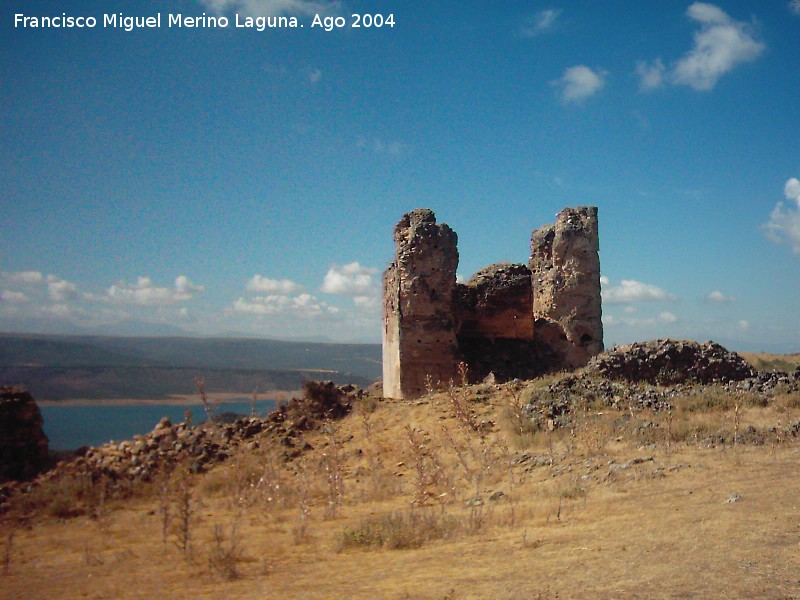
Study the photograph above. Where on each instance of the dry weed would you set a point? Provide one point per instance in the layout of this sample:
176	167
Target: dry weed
224	555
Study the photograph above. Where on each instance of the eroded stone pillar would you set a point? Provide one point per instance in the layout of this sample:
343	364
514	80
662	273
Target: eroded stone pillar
419	337
565	274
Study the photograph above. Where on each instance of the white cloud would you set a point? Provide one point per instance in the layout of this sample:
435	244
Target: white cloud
630	290
303	305
580	82
259	283
379	146
667	317
791	190
185	288
651	75
270	8
743	325
60	290
350	280
794	7
313	76
784	222
541	22
370	303
720	45
24	277
12	297
144	293
614	321
717	297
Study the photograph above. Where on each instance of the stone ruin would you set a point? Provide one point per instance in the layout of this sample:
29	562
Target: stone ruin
508	320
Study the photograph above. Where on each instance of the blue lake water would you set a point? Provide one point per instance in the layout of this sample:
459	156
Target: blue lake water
70	427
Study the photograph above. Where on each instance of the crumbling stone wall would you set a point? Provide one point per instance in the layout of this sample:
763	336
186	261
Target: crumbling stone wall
495	323
565	268
419	330
509	320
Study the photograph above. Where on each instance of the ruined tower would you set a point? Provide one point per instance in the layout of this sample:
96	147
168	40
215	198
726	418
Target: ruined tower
565	273
419	336
508	320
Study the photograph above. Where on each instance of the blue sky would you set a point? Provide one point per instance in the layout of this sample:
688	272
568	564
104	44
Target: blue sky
229	181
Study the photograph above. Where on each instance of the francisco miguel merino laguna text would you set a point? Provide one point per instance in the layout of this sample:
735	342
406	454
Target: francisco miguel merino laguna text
129	23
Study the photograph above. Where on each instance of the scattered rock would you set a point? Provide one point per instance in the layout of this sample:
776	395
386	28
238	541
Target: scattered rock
668	362
199	446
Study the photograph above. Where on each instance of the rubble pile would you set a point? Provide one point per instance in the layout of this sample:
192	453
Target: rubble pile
668	362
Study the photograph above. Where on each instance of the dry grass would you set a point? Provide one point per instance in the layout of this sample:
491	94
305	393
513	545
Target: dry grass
622	504
768	362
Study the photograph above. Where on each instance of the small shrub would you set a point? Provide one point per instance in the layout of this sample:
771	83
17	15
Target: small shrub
711	398
458	398
183	491
787	400
522	427
209	408
430	478
322	399
399	530
688	429
61	498
332	464
224	557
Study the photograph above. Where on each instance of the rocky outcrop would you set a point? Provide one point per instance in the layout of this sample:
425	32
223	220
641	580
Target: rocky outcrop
668	362
565	271
23	443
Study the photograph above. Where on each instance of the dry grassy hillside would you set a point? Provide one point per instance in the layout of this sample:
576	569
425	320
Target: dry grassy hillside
767	362
466	493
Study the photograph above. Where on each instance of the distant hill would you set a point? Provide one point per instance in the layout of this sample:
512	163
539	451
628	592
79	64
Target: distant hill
56	367
220	353
144	383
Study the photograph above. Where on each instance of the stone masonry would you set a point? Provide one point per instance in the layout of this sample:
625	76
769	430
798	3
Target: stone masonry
419	330
565	266
508	320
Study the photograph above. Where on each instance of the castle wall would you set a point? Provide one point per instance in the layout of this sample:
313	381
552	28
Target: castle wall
496	303
419	329
565	269
508	320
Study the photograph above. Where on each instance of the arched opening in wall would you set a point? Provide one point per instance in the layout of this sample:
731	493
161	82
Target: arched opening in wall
586	339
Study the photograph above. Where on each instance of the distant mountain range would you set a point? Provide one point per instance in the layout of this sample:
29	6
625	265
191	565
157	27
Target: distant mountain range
62	367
